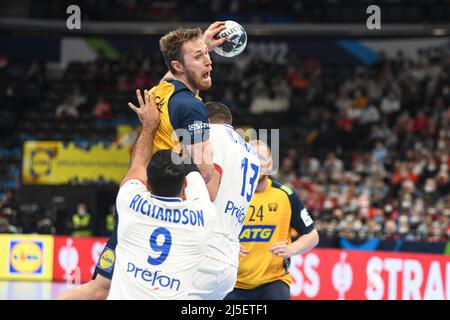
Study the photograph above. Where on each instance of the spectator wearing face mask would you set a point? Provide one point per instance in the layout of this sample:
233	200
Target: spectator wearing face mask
82	222
443	183
430	193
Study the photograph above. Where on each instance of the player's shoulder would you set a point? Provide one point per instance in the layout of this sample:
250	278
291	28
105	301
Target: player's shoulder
184	102
290	194
220	129
164	89
283	188
131	184
182	95
174	91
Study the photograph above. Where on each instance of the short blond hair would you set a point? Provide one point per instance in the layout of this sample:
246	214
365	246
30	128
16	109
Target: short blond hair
171	44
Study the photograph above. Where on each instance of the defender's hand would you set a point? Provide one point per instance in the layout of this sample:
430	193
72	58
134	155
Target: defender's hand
148	113
281	249
243	252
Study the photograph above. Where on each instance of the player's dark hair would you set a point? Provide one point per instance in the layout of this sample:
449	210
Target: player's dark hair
171	44
165	176
219	113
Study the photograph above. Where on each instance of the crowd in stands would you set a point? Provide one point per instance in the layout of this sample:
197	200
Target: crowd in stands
366	147
377	163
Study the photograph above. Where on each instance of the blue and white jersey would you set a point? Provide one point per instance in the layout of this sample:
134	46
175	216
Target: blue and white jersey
160	240
240	168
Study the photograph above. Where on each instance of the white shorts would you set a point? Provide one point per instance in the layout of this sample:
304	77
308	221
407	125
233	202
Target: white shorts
213	280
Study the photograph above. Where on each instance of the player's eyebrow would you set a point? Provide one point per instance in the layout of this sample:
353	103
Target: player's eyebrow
200	50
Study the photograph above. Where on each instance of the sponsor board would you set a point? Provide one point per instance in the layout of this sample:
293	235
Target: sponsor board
26	257
75	258
331	274
56	162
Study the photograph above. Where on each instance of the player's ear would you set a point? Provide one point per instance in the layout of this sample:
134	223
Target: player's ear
270	165
177	66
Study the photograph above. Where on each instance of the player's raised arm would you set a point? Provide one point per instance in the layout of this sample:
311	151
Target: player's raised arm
149	117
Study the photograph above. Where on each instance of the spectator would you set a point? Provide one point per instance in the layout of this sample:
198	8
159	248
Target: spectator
109	221
82	222
102	110
390	103
379	153
6	227
370	115
70	107
390	230
9	200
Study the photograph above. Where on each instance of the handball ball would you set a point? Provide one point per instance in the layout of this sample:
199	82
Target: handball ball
237	40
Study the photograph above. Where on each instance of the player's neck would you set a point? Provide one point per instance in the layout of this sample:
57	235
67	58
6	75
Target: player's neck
183	79
262	185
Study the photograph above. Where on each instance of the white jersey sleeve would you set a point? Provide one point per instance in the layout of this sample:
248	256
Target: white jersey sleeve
196	187
218	152
128	188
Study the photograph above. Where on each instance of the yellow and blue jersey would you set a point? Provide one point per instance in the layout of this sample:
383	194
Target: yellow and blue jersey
270	217
184	117
179	109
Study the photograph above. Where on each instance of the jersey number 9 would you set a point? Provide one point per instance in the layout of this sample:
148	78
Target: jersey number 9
163	248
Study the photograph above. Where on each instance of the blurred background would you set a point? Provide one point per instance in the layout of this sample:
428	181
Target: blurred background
364	119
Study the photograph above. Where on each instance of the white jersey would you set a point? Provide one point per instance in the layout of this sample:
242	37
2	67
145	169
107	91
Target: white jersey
160	240
240	166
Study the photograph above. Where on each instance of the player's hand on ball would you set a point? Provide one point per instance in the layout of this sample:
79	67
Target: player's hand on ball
243	252
281	249
211	32
148	113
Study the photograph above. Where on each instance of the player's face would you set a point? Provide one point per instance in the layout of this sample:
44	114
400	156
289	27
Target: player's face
197	64
265	159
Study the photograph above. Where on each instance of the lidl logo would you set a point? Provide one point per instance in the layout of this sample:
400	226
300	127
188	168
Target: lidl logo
41	162
26	257
256	233
106	261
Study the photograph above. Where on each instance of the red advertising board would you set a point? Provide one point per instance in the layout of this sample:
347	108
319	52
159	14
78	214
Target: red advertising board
75	258
331	274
